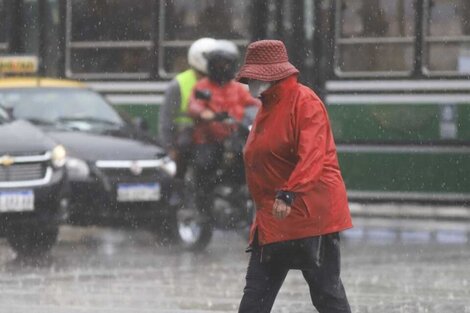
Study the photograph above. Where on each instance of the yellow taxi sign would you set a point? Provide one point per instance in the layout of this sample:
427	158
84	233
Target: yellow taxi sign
18	64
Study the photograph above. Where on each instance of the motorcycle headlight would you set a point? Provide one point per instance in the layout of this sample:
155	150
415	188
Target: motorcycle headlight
77	169
58	156
168	166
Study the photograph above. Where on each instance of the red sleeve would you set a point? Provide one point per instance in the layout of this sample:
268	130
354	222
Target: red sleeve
311	127
245	101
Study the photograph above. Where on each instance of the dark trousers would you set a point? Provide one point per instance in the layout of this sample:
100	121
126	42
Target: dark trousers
184	147
206	161
183	160
263	281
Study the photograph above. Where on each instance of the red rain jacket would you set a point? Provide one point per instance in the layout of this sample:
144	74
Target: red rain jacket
232	98
291	147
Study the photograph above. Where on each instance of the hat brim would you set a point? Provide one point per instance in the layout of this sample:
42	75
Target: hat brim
266	72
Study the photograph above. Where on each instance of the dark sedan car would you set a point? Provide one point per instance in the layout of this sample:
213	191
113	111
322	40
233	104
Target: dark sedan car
118	175
33	189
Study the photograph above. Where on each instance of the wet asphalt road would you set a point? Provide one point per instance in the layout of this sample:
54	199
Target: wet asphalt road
389	265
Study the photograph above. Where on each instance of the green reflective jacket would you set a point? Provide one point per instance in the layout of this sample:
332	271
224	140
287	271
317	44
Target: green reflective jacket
186	81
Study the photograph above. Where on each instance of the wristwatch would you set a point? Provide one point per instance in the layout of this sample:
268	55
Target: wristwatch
286	196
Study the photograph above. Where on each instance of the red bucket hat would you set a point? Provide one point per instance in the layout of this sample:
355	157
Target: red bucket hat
266	60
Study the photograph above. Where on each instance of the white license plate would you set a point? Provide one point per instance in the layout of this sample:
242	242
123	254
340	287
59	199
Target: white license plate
138	192
16	201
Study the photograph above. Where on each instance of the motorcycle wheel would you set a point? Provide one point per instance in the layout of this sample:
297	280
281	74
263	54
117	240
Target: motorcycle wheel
193	231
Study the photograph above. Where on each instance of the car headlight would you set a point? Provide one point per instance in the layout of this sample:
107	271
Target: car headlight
77	169
168	166
58	156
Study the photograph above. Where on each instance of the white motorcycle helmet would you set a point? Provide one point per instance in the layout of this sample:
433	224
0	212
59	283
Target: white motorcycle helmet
197	53
228	47
222	62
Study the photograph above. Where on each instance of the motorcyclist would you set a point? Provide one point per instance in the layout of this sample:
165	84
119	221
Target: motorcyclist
217	94
175	126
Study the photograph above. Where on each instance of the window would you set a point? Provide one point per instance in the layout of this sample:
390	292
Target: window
374	37
447	37
110	38
185	21
59	105
3	27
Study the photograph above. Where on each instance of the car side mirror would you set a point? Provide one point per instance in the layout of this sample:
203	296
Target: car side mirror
140	123
6	112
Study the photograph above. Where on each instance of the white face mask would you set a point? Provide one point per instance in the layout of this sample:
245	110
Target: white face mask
257	87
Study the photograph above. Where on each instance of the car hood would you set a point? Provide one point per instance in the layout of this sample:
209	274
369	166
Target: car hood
21	137
93	147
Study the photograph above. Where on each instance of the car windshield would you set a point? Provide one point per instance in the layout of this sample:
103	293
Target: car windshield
53	106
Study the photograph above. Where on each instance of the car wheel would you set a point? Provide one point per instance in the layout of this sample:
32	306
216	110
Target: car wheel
31	240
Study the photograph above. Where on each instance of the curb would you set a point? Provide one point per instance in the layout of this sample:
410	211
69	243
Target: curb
394	210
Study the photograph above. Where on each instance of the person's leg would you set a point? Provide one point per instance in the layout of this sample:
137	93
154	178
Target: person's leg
184	148
204	162
183	162
262	285
326	289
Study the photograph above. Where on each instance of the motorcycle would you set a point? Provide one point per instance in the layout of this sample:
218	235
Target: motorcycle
231	205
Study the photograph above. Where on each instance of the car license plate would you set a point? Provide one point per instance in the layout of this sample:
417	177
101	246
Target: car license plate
138	192
16	201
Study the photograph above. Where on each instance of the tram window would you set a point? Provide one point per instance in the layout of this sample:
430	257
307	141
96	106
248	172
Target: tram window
30	21
377	18
3	25
374	37
183	21
382	58
108	60
447	37
109	37
111	20
175	59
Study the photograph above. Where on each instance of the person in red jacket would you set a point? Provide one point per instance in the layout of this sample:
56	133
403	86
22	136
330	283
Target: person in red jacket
213	97
294	178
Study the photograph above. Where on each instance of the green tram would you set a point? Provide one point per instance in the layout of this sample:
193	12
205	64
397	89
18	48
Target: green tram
394	73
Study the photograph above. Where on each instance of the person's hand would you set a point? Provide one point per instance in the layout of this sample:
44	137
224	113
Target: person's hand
280	209
173	154
207	115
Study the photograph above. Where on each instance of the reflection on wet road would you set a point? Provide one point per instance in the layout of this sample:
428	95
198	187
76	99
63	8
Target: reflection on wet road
388	266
